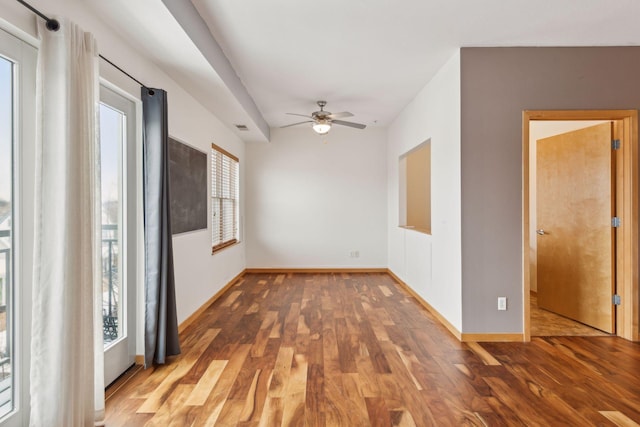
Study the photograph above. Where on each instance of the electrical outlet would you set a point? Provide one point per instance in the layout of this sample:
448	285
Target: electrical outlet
354	254
502	303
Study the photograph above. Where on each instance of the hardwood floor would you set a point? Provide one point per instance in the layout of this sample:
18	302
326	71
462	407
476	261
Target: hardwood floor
545	323
356	350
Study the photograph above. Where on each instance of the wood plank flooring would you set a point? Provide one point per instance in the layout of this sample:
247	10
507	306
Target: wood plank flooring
545	323
357	350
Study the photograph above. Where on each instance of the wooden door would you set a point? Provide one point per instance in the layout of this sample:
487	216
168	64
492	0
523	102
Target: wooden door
575	240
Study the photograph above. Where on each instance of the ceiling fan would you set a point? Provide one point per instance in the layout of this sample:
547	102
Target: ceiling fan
322	120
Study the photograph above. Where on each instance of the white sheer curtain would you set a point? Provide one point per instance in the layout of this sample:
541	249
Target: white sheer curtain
67	387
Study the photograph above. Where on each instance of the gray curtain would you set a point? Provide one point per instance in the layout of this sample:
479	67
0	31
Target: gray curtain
161	323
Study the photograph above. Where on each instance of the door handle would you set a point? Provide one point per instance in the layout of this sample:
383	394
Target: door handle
541	232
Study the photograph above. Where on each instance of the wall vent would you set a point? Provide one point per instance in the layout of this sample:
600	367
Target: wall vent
242	127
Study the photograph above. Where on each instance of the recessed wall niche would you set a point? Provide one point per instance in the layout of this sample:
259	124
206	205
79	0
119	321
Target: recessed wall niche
415	188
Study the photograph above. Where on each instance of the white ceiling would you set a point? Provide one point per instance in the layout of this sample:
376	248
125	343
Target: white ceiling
370	57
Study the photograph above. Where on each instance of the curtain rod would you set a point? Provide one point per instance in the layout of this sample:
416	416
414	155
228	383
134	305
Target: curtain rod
54	25
127	74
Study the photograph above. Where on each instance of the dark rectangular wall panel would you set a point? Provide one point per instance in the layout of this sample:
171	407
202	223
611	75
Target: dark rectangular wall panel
188	187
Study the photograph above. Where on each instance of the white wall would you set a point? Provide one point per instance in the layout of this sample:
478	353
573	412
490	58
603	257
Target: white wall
199	275
431	264
311	200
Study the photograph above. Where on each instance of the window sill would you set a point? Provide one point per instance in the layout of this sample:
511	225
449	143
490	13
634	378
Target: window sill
224	246
419	230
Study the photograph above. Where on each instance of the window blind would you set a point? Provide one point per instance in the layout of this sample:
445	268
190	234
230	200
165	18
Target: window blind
224	198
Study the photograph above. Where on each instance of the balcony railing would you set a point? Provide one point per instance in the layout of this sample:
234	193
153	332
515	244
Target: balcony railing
5	281
110	303
110	287
110	282
6	382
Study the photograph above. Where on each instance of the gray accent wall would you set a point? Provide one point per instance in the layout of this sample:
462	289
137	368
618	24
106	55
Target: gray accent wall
497	85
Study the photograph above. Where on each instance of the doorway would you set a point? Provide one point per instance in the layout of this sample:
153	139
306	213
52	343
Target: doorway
623	244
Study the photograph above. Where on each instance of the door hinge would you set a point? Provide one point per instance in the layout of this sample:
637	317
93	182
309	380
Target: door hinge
616	299
615	221
615	144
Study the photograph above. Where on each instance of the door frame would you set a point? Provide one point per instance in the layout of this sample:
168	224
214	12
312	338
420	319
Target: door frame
625	128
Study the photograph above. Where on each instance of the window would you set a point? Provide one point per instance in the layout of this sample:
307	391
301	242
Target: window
224	198
415	188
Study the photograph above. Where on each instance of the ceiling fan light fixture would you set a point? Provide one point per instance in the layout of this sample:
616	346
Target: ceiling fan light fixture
321	121
322	127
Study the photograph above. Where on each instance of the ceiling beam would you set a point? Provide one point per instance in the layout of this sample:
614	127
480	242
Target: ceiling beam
196	28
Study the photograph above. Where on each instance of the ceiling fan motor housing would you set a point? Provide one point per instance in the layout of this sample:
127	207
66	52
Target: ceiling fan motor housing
321	115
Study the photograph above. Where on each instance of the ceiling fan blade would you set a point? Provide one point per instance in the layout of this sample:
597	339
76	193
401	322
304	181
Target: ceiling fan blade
295	124
301	115
350	124
340	115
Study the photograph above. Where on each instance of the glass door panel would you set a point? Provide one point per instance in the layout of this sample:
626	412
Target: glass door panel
17	172
118	188
6	237
112	123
